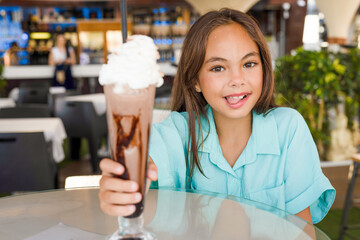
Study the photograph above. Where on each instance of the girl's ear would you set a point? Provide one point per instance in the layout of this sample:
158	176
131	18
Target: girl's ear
197	87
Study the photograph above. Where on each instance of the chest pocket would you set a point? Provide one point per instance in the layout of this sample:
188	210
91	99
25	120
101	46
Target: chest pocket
274	196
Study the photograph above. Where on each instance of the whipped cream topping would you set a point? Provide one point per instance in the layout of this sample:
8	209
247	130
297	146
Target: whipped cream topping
132	66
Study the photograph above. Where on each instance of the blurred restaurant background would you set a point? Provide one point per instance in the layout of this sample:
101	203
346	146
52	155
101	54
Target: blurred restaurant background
314	46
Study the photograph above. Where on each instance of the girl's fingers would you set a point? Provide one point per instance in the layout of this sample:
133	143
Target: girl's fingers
117	184
110	167
152	171
117	210
115	198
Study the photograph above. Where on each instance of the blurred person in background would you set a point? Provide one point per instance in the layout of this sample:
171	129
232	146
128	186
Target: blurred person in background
11	55
62	57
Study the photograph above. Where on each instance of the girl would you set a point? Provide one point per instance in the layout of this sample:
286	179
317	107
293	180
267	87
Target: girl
226	133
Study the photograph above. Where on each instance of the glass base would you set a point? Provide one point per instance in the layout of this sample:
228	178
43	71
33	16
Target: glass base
132	229
144	235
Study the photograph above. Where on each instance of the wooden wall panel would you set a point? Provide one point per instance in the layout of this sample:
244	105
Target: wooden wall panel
338	177
295	26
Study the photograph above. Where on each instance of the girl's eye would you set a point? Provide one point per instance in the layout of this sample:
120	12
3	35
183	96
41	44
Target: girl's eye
249	65
217	69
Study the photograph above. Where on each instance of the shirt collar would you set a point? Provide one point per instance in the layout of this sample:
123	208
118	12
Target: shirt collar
264	132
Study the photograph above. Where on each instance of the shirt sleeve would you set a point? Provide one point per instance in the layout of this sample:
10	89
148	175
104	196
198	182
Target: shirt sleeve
168	150
305	183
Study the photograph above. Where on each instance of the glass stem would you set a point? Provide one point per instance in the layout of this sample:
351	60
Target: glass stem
130	226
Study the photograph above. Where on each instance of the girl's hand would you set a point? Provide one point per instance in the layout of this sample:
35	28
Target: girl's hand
118	196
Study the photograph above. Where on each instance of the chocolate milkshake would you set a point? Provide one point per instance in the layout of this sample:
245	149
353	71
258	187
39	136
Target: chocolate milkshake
129	122
129	79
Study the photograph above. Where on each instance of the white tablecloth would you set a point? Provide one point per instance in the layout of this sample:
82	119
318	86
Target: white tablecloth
7	102
52	128
97	99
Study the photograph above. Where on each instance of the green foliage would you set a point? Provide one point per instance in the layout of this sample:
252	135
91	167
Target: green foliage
332	222
313	82
351	82
2	81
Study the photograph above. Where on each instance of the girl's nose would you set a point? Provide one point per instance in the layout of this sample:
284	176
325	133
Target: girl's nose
236	78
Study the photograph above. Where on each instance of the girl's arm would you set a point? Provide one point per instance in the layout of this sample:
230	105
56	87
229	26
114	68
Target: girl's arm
308	229
305	214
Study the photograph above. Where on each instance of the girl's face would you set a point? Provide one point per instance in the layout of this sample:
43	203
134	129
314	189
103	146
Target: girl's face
231	76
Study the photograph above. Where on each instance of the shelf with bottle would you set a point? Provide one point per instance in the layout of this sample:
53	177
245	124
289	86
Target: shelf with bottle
167	26
11	32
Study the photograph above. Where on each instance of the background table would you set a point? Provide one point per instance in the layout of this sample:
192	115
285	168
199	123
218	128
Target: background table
53	129
168	214
7	102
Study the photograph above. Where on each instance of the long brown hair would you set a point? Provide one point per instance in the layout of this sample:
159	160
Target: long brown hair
184	96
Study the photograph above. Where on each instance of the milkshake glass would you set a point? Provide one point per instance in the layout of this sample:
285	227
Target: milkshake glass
129	82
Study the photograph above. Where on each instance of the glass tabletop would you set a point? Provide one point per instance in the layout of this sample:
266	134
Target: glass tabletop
260	221
169	214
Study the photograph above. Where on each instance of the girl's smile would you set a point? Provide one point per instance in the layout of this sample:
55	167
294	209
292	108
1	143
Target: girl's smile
237	100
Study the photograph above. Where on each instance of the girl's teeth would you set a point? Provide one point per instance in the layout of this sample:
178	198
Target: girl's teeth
237	97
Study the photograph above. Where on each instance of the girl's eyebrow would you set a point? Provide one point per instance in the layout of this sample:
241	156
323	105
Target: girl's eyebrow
220	59
215	59
251	54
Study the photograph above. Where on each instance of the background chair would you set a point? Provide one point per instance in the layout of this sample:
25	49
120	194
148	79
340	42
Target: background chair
81	121
26	163
37	83
26	111
349	201
53	98
33	94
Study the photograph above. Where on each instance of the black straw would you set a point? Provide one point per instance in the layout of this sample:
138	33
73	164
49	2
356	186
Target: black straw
123	20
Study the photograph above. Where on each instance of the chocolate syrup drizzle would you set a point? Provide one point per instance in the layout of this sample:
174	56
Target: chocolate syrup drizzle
123	141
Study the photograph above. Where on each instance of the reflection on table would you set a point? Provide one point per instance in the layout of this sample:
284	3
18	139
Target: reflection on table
53	129
168	214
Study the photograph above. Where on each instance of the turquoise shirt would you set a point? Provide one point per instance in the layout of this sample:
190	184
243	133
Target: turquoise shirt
279	166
